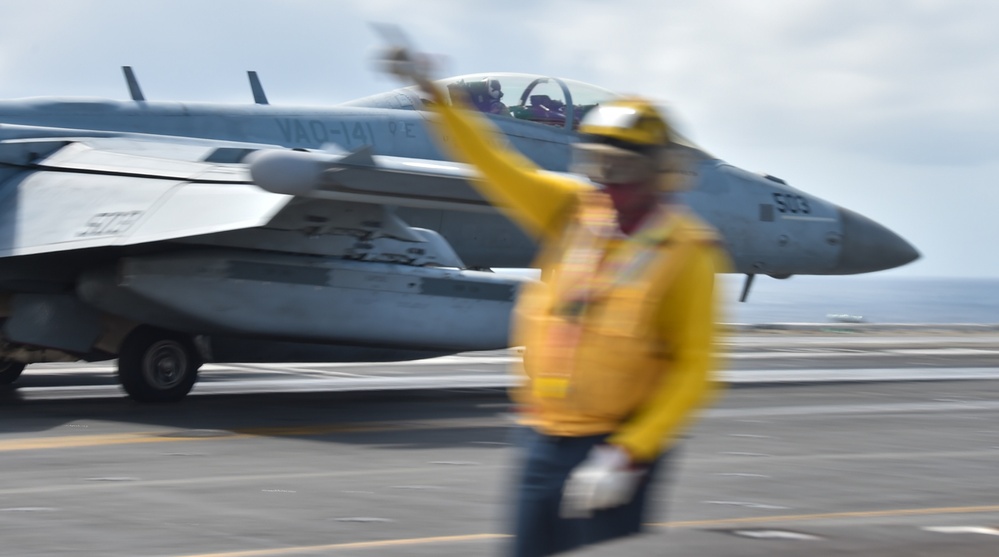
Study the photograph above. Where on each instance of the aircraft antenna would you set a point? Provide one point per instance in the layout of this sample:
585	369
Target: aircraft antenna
133	84
258	90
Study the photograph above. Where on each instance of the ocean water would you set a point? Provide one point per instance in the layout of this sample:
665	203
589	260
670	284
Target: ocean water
876	299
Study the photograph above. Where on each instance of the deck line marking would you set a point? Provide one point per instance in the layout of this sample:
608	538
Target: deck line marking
827	516
678	524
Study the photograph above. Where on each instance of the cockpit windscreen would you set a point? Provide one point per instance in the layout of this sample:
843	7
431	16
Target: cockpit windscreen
545	100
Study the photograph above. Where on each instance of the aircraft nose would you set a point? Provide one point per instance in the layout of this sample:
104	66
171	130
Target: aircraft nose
868	246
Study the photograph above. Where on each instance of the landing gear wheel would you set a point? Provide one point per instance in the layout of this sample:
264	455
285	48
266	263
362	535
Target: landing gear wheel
10	371
155	365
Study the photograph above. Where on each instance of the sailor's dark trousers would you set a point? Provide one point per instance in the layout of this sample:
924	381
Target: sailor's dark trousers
538	529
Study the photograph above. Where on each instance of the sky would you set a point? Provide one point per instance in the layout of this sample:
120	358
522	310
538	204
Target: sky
888	108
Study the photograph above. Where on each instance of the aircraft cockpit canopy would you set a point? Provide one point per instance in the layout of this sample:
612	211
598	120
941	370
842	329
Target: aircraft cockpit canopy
545	100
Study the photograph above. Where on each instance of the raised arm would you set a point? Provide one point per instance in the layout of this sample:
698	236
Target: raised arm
536	200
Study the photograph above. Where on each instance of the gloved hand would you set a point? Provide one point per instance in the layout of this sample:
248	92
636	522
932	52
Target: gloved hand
401	60
604	480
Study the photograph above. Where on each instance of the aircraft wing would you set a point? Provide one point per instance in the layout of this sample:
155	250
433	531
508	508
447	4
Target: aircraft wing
59	194
75	193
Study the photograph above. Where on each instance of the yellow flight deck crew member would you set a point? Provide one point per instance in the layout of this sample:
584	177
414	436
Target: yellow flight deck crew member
619	337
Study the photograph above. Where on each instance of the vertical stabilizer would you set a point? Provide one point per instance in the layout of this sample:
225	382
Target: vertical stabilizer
133	84
258	90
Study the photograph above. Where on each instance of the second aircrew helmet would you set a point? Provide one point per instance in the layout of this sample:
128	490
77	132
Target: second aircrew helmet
624	141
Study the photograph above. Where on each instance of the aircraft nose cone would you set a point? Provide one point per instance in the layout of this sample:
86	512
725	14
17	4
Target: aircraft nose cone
867	246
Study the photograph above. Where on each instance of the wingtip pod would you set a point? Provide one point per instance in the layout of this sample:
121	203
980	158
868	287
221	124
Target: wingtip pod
286	172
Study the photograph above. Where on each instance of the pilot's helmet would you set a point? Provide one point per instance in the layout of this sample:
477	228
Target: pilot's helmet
625	141
494	87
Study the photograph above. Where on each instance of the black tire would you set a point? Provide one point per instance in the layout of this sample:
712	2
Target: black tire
155	365
10	371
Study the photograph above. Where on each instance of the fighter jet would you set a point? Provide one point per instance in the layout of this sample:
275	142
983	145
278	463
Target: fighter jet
169	234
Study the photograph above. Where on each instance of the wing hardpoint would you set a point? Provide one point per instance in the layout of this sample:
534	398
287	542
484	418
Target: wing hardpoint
65	194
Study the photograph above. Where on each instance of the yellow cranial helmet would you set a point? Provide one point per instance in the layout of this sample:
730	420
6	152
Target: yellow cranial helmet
623	141
633	122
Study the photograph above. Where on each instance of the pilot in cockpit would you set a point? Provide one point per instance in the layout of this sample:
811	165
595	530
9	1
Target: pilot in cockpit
486	95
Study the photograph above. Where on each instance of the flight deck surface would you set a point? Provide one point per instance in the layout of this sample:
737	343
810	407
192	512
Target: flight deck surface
867	465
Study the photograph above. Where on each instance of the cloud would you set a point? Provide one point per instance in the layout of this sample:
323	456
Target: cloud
908	83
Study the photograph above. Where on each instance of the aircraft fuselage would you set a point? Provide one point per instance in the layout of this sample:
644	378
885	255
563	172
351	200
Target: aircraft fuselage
768	226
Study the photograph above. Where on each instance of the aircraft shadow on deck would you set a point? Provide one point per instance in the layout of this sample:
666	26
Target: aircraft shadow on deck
400	419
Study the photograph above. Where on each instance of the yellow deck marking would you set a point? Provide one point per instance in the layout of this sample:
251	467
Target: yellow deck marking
352	545
72	441
679	524
68	442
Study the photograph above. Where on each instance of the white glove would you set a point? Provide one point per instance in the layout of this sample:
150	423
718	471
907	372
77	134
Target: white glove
604	480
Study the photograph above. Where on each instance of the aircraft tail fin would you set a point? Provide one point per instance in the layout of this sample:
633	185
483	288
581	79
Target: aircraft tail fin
258	90
133	84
